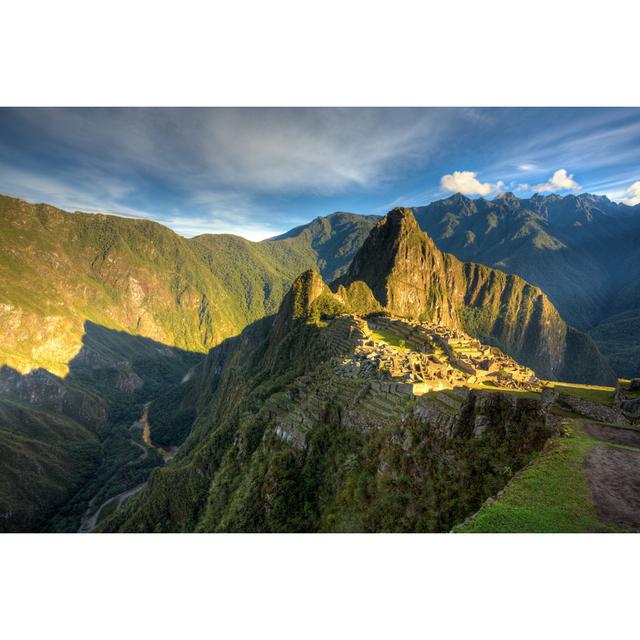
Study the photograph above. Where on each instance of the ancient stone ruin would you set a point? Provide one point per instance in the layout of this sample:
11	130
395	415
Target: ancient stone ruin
429	357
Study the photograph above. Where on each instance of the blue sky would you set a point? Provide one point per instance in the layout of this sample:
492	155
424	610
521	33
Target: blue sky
259	172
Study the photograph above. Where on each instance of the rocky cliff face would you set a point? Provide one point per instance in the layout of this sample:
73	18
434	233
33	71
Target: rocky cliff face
43	389
410	277
404	270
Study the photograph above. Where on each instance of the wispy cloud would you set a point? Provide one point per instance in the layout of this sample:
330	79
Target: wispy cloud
83	190
261	149
256	172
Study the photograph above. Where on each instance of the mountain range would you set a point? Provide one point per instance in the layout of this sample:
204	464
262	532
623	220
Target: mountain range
103	316
582	251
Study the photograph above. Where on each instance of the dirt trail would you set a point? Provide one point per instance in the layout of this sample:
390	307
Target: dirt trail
614	478
627	437
614	475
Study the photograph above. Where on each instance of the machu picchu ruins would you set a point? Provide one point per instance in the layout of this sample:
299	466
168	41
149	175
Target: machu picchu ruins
428	357
383	368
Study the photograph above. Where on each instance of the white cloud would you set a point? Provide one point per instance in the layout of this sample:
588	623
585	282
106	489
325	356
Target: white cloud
632	194
465	182
560	181
527	166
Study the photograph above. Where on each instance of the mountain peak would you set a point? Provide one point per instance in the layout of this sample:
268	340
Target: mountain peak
507	197
402	218
402	267
306	288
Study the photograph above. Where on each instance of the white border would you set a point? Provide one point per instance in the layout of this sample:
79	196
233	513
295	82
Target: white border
368	53
315	586
330	53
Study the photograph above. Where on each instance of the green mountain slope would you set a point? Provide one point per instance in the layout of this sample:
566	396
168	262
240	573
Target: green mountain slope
59	269
46	457
101	314
333	240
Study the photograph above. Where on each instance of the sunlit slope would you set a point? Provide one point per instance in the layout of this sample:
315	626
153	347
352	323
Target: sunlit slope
59	269
410	277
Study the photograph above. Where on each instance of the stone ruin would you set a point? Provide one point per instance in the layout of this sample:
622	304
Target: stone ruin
431	357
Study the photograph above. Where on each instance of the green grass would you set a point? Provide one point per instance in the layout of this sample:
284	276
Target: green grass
550	496
492	386
597	393
391	339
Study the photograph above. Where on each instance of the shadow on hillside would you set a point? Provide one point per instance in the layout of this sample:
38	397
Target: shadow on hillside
58	466
112	367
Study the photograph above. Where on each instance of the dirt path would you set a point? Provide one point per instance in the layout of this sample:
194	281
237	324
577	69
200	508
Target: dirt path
614	478
614	475
614	435
90	524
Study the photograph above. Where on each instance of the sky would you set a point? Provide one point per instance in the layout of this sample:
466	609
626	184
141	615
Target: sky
259	172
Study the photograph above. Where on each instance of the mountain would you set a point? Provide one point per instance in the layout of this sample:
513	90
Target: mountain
101	314
334	240
410	277
582	251
59	269
322	418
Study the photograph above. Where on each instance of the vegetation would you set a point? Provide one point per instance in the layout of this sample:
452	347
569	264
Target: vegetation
128	310
390	338
411	278
45	458
139	277
236	473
